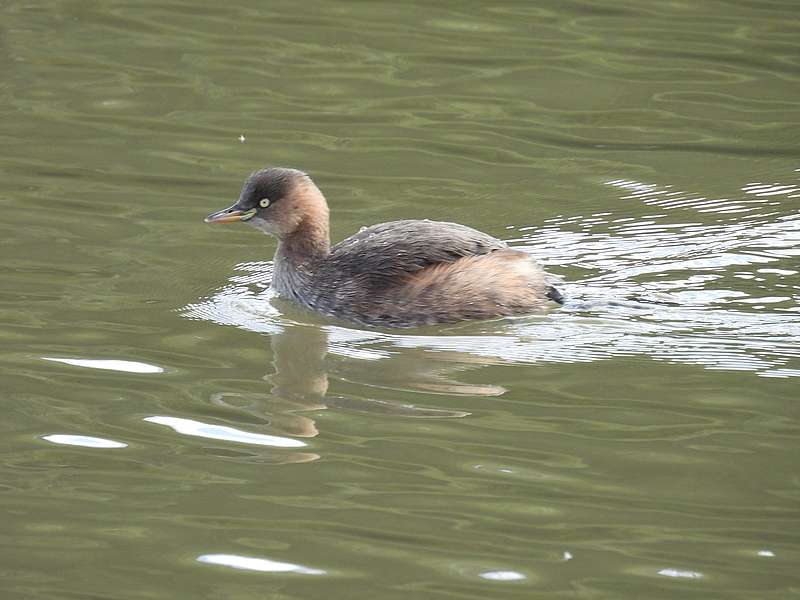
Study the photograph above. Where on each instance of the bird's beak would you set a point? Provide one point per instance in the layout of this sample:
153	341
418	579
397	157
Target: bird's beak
232	214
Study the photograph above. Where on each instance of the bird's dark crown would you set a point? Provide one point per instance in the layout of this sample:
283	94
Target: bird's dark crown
273	183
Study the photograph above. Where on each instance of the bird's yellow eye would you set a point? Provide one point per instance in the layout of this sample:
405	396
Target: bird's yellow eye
264	202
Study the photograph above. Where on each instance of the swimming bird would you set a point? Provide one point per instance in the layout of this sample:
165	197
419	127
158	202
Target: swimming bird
397	274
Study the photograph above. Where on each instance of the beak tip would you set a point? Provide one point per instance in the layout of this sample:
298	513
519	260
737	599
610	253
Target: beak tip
230	215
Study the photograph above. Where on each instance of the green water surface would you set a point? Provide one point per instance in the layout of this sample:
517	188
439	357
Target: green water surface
170	430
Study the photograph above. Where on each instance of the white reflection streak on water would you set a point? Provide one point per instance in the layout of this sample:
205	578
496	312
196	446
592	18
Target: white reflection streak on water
127	366
264	565
502	576
637	299
82	440
222	432
680	574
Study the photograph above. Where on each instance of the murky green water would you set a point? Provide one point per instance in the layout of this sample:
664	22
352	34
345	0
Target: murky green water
171	431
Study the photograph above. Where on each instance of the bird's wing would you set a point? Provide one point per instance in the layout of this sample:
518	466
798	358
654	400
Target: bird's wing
379	254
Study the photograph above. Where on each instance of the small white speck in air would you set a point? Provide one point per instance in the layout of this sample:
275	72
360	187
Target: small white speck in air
767	553
242	138
567	555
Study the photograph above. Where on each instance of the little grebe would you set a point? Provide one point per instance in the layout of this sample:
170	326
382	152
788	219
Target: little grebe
397	274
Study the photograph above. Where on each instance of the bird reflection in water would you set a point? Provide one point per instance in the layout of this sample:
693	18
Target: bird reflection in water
300	384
